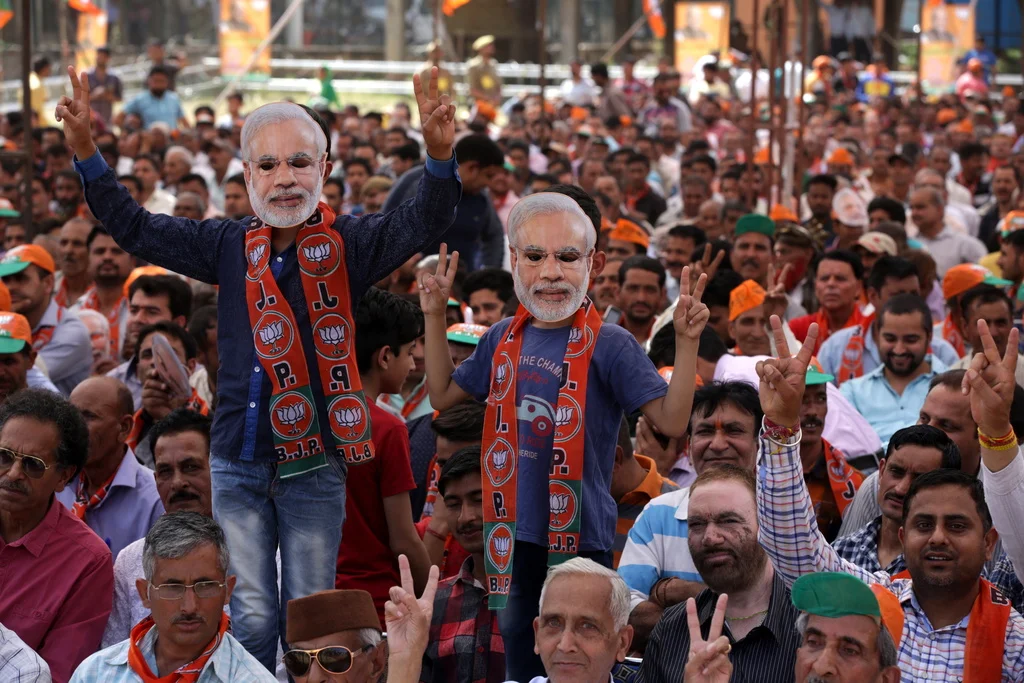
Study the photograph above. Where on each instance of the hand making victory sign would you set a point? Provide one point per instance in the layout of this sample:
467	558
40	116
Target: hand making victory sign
709	659
75	114
782	379
435	289
437	117
690	315
990	383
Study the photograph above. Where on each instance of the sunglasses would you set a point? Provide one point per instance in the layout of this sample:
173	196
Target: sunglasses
33	467
334	659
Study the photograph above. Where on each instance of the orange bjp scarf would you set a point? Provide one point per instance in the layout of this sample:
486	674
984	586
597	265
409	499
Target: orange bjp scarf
188	673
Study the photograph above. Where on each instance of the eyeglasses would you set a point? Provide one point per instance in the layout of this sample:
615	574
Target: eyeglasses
300	164
334	659
33	467
567	258
176	591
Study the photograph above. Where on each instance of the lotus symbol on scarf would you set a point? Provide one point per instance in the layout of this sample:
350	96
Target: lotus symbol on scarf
256	254
559	503
575	335
349	418
563	416
502	546
271	333
333	335
500	459
501	373
318	253
292	415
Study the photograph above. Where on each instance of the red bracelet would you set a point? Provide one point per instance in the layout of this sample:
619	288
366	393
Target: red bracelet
1000	443
777	432
436	535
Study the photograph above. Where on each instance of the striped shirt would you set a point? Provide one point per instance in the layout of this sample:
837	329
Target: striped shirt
790	536
657	546
18	662
632	504
765	655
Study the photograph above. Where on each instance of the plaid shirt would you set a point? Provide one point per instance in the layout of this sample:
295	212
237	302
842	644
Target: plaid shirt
861	548
18	662
465	643
790	536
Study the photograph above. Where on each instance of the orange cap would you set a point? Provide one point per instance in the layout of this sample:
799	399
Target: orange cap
892	611
628	231
666	374
965	126
945	116
781	212
974	64
15	333
761	156
1012	221
21	257
745	297
139	272
486	110
1008	91
840	156
5	297
959	279
626	120
579	114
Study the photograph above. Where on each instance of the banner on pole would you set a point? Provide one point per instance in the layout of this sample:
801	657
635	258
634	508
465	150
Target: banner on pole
244	24
655	19
947	32
92	34
701	28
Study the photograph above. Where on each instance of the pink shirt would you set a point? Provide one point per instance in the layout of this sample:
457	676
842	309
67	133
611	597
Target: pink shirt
968	81
56	590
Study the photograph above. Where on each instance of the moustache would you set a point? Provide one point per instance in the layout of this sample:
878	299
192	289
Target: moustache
467	529
12	486
702	554
301	194
182	496
191	618
751	262
811	423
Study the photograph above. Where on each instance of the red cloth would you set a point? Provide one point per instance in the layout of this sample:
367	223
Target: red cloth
801	325
365	560
66	574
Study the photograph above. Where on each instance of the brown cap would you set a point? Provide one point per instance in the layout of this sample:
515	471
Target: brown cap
327	612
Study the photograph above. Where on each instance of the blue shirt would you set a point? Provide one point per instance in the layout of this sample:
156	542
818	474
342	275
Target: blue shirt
880	405
871	86
986	57
620	379
151	109
129	509
229	663
212	251
830	355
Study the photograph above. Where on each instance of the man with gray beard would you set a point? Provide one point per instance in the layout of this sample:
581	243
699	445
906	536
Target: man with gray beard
290	408
759	618
557	381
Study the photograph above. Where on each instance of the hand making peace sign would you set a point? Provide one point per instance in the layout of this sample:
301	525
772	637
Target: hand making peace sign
75	114
709	659
408	619
435	289
437	117
990	382
690	315
782	379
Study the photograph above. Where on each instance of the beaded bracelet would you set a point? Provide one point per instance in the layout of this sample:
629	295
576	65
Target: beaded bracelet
777	432
1002	443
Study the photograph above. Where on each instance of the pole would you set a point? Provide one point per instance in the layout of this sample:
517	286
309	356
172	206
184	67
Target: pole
788	88
26	113
774	38
798	170
542	16
754	68
920	55
437	21
627	36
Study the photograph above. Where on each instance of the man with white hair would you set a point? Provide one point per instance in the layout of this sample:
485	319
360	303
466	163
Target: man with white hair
556	382
290	406
177	164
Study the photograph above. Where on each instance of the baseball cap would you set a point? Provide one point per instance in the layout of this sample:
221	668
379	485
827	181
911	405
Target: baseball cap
781	212
755	222
745	297
945	116
902	158
628	231
959	279
849	208
816	374
453	302
23	256
836	594
139	272
466	333
15	332
204	118
842	156
666	374
7	209
844	57
1012	221
878	243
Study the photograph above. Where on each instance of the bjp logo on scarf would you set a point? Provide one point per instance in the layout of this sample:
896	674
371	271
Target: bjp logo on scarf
568	419
257	257
332	337
274	335
500	462
580	339
499	547
563	504
349	418
318	254
291	415
502	377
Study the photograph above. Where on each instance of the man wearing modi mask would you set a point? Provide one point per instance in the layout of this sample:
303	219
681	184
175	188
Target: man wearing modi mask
290	409
557	381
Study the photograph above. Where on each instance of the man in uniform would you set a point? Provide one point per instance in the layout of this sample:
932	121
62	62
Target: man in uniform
482	73
435	54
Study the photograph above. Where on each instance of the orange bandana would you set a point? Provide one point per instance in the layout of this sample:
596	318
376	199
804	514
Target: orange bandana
953	336
853	355
45	334
188	673
500	462
293	417
82	504
745	297
195	404
842	478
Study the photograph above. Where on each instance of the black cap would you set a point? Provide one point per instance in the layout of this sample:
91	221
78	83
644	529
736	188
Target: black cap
893	158
844	57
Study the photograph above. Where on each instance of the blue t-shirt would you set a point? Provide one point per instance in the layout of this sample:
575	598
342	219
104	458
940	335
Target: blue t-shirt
621	379
166	108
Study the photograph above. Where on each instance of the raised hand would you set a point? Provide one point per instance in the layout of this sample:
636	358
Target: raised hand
437	117
990	382
690	315
709	659
408	619
775	300
706	265
435	289
75	114
782	379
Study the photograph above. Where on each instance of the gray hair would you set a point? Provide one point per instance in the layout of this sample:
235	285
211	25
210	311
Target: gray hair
369	637
275	113
934	196
887	653
579	566
175	535
546	204
192	196
183	152
719	207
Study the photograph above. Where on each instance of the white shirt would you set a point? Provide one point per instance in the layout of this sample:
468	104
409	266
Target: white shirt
578	93
950	248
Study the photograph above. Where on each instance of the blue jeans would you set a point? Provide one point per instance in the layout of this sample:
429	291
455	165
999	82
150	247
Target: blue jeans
259	512
529	569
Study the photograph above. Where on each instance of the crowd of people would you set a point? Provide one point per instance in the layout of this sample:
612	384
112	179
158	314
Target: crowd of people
513	389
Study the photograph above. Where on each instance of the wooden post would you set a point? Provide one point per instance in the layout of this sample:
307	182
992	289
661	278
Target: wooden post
774	39
26	113
798	166
542	17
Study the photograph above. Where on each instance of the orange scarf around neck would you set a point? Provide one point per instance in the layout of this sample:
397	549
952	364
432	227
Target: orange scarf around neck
187	673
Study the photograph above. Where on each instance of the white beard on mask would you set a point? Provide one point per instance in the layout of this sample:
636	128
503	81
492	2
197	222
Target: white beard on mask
285	217
544	311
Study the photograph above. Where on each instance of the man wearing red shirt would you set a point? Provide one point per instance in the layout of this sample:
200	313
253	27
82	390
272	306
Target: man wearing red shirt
56	575
837	286
378	525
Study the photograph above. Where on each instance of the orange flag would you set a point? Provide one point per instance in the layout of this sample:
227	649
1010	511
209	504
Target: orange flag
450	6
652	8
84	6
